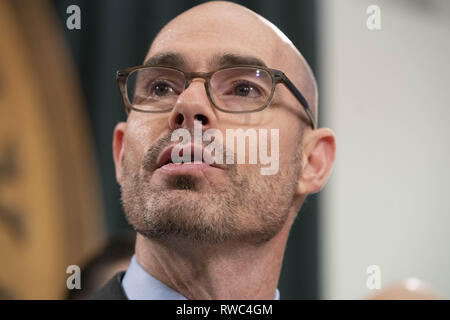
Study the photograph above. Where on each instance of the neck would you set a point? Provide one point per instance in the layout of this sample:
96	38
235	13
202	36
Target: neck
222	271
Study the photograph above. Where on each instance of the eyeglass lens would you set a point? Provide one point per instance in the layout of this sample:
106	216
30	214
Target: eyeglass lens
234	89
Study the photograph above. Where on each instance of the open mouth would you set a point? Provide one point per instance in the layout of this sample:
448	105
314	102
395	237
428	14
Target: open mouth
197	157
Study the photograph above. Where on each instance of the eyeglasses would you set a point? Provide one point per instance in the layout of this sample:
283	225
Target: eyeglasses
237	89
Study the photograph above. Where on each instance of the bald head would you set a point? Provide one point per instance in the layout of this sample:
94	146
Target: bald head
225	27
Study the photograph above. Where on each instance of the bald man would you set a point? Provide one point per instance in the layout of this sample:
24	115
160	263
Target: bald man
211	227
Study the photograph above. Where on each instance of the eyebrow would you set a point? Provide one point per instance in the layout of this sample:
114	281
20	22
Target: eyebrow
170	59
173	59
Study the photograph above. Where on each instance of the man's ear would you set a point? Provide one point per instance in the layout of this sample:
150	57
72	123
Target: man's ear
118	150
319	149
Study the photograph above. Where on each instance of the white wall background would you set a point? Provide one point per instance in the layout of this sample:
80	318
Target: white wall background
387	97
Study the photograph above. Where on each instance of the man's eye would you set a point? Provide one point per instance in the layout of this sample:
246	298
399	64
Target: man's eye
161	89
246	89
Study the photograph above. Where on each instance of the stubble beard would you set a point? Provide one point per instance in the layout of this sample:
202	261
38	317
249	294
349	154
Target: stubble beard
252	209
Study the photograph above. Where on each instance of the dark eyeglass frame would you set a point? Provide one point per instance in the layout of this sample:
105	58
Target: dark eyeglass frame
276	75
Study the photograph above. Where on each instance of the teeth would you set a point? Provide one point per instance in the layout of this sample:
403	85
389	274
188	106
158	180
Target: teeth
181	162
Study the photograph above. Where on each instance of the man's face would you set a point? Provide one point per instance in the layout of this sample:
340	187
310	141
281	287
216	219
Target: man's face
211	204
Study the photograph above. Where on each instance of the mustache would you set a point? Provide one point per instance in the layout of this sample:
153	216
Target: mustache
151	155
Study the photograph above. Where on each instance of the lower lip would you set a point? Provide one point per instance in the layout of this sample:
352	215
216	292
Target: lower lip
184	168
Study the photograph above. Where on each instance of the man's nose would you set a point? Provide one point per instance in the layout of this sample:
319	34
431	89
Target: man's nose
193	104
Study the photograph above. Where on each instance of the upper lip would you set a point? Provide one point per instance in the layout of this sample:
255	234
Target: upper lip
165	156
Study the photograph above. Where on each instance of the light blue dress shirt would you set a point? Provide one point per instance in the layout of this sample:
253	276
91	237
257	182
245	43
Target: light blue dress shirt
138	284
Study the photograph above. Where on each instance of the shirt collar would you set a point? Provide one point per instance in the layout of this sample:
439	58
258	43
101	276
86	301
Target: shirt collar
138	284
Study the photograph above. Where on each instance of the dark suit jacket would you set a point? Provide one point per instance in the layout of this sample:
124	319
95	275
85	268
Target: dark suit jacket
112	290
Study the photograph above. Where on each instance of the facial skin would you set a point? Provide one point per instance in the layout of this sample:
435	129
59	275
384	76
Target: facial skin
221	233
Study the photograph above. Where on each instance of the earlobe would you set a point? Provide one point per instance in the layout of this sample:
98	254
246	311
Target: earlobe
119	132
318	159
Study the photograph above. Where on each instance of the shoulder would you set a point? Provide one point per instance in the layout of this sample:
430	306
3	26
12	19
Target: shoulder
112	290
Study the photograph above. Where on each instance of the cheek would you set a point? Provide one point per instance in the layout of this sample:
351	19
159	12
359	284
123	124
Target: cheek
286	146
139	137
289	144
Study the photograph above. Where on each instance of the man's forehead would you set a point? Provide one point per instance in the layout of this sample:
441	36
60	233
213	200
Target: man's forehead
208	37
209	52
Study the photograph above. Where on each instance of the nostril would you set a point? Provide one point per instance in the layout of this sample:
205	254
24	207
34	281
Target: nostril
201	118
179	119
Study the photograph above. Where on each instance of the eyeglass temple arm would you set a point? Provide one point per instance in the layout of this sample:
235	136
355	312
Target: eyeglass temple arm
300	98
121	76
